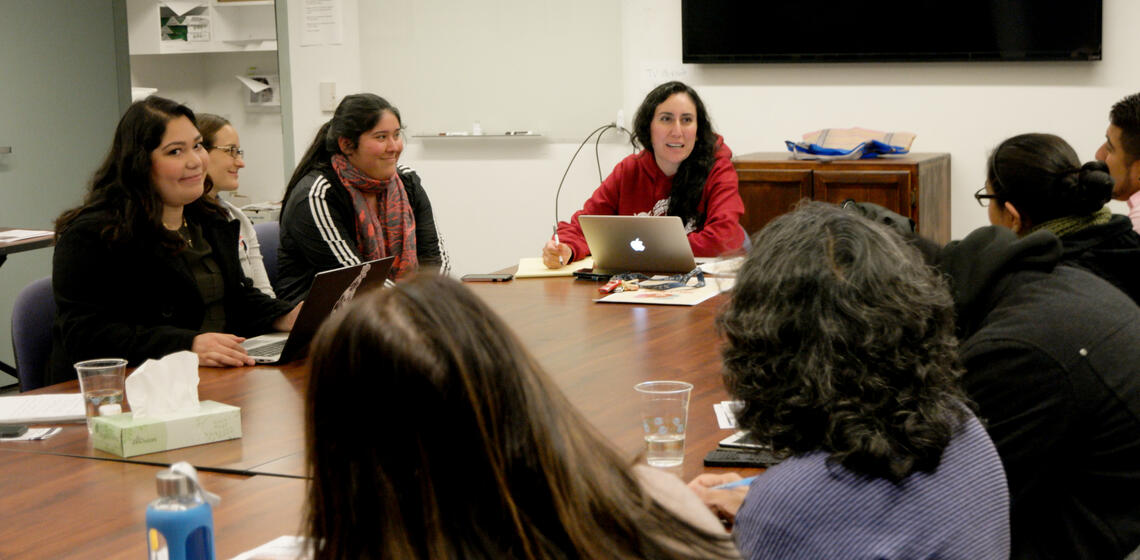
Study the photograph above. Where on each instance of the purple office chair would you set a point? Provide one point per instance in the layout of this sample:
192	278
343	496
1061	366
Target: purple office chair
269	236
32	317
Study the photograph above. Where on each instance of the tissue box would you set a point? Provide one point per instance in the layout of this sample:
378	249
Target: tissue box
125	436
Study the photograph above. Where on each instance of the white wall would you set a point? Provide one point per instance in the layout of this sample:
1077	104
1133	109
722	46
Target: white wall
493	198
311	65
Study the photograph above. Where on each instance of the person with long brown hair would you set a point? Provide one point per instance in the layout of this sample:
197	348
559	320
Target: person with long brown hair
147	266
684	169
470	450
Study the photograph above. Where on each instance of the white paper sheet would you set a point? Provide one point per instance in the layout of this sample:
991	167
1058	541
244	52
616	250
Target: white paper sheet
42	409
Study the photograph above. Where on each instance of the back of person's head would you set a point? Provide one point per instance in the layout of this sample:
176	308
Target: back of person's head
432	433
356	114
1041	175
122	184
688	183
1125	115
840	339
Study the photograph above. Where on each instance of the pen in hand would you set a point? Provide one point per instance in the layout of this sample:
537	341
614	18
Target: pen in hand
735	484
556	243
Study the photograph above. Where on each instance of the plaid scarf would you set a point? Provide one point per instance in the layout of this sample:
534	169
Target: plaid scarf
389	227
1068	225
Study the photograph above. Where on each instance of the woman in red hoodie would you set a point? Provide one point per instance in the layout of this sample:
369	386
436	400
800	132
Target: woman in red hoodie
685	170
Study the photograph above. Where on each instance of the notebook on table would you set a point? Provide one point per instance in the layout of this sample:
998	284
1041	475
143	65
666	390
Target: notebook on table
331	290
620	244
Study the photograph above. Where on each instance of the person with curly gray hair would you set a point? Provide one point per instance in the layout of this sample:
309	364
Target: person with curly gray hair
840	343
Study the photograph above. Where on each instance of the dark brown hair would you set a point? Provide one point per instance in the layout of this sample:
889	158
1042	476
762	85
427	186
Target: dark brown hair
122	185
693	173
432	433
1044	179
355	115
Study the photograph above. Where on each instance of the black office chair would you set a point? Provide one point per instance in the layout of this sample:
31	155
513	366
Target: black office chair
269	236
32	317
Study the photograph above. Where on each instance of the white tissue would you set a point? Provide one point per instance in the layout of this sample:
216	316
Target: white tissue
166	385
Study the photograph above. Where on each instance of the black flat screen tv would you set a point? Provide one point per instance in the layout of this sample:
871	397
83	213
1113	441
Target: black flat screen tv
728	31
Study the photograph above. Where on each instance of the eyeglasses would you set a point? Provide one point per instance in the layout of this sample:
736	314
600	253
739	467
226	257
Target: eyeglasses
983	197
234	151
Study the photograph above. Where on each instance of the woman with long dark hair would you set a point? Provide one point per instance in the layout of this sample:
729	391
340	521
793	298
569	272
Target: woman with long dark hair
1036	182
840	344
349	201
496	463
685	170
147	266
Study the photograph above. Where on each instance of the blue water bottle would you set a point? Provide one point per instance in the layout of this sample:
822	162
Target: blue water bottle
180	523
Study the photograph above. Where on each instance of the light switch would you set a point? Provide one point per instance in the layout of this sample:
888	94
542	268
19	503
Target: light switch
328	97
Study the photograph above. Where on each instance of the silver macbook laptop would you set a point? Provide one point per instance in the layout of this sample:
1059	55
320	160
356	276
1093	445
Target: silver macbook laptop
331	290
637	244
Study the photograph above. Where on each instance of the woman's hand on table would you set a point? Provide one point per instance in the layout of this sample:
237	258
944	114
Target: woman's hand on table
220	350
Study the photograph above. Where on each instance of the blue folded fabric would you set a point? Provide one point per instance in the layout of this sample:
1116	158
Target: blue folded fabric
863	150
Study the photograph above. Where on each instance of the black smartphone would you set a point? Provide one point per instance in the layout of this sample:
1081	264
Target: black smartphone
589	274
12	431
487	277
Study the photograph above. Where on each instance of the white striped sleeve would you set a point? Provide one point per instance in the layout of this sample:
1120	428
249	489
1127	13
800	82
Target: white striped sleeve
326	227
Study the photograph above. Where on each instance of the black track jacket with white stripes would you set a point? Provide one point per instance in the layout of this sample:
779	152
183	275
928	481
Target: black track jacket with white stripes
318	231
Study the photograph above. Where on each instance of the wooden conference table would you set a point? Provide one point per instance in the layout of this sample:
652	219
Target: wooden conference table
595	353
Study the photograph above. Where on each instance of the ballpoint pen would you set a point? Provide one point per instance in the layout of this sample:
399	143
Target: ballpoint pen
728	485
556	242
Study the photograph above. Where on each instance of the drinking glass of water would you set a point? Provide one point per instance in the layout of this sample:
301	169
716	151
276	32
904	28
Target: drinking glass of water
664	417
102	382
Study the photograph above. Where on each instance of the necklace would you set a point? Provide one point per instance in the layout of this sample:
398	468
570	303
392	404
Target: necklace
184	233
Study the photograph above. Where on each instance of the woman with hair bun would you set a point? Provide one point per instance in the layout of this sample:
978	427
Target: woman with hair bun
1036	182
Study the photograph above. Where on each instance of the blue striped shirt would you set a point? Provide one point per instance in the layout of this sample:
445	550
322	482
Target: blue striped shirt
806	508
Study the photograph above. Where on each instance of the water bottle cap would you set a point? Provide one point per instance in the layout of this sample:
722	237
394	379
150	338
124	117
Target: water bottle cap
173	484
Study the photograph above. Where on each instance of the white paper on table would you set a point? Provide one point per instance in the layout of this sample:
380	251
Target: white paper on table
42	409
674	296
285	547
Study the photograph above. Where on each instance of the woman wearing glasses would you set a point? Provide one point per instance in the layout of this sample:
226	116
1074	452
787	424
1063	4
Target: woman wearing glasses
1037	182
226	160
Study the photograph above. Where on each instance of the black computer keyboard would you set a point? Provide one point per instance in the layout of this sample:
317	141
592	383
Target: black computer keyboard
737	457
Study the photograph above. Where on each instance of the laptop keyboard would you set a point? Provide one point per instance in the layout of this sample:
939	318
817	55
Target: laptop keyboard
271	349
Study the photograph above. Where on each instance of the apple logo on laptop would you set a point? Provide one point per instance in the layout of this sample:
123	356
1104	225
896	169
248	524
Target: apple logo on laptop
637	245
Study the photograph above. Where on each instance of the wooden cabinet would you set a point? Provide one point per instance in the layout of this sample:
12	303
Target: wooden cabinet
916	186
